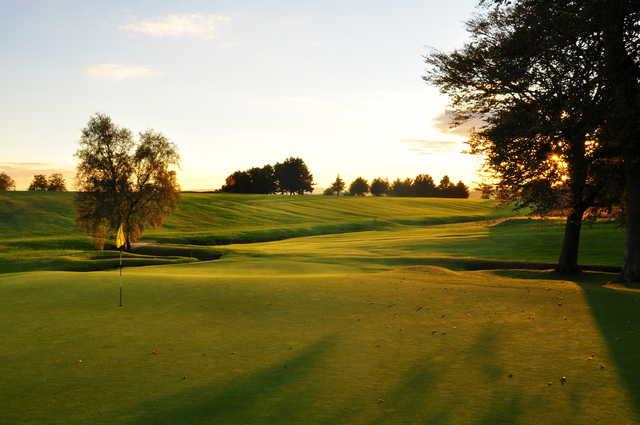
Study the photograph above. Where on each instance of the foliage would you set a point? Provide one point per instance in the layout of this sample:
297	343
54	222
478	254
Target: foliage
6	182
254	180
121	182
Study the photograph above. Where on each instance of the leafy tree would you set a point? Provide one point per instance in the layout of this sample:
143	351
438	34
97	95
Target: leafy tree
56	183
423	185
121	182
402	187
486	190
39	183
337	187
293	177
379	187
238	182
359	187
6	182
542	99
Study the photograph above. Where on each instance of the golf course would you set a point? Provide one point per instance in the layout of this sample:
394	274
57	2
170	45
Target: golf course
268	309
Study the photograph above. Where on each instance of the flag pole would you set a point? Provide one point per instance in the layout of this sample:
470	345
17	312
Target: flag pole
120	277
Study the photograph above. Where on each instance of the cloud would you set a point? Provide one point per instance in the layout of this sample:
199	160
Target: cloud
443	123
112	71
431	147
175	25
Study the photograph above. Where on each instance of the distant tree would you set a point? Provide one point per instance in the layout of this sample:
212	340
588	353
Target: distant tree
6	182
337	186
56	183
238	182
402	187
359	187
39	183
262	180
328	192
423	185
446	188
293	177
121	182
379	187
460	190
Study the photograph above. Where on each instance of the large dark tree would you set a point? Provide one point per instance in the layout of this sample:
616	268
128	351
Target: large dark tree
6	182
612	26
542	99
293	177
121	182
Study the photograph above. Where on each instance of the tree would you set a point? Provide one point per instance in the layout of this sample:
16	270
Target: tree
238	182
39	183
423	185
56	183
486	190
402	187
461	190
379	187
613	25
336	187
121	182
6	182
541	97
293	177
359	187
446	189
263	180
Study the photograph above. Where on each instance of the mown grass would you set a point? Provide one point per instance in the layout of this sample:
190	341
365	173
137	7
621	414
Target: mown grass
346	328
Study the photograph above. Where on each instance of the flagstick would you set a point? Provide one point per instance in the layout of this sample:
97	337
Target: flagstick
120	277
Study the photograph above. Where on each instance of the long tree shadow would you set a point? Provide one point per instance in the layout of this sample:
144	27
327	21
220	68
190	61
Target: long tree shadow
616	313
269	396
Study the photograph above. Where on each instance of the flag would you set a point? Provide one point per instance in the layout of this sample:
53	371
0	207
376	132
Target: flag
120	239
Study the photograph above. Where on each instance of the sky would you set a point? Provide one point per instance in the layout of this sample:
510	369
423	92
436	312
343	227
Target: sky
234	84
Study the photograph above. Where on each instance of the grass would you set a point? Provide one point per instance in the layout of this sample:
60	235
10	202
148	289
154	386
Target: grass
382	326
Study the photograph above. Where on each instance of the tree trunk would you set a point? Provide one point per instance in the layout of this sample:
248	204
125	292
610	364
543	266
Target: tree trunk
631	270
568	261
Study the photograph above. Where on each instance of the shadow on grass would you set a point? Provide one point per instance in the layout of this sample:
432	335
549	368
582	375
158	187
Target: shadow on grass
275	395
616	313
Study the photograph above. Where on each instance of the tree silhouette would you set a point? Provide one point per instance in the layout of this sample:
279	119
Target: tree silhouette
6	182
39	183
359	187
423	185
293	177
379	187
337	187
56	183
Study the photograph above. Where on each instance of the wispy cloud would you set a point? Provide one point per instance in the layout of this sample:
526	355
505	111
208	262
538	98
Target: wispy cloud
430	147
113	71
178	25
443	123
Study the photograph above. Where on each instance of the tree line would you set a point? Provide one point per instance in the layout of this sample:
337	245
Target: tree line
40	183
556	86
422	185
291	176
